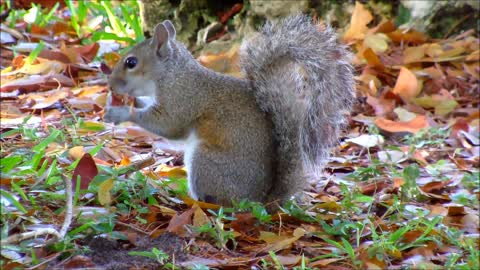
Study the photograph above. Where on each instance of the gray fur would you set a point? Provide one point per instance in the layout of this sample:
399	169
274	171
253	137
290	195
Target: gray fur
253	138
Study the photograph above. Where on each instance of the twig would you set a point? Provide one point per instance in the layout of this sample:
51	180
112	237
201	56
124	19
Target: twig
132	227
58	236
26	235
69	210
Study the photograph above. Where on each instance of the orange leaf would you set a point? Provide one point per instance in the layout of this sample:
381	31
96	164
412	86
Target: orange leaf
385	27
410	36
412	126
190	202
372	58
407	84
358	23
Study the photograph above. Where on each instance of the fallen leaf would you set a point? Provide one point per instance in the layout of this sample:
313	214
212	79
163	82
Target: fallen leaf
199	217
404	115
413	54
50	100
444	103
76	152
361	17
178	222
86	169
413	126
377	42
412	36
391	156
406	85
367	140
104	196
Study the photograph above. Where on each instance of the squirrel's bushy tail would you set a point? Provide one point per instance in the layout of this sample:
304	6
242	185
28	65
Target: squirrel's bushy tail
302	78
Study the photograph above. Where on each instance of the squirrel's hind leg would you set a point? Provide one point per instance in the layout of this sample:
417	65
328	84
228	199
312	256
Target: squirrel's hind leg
215	177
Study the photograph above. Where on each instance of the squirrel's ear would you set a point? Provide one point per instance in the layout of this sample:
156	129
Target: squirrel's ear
160	40
170	28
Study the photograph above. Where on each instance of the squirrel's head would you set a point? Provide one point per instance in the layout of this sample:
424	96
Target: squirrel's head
149	65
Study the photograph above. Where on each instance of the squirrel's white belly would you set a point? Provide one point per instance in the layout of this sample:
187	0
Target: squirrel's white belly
191	143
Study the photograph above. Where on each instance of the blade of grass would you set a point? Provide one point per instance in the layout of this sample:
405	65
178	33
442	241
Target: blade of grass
47	141
35	52
110	36
45	19
117	27
14	201
74	16
134	24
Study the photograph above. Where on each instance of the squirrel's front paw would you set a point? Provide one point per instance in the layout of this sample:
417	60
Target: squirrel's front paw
116	114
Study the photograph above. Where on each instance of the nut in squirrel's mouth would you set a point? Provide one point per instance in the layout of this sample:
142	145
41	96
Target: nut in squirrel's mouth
122	100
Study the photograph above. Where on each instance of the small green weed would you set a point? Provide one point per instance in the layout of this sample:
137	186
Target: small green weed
216	229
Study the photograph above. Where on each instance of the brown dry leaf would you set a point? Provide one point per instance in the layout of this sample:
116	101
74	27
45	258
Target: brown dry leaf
361	17
386	26
276	242
50	100
420	156
178	222
433	50
474	56
225	62
381	105
290	260
54	56
89	91
79	262
472	69
407	85
371	262
199	217
434	186
323	262
456	210
420	122
243	222
446	55
413	54
35	83
72	55
372	58
372	188
433	72
112	58
87	52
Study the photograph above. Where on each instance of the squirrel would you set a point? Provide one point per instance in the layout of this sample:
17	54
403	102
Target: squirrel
257	138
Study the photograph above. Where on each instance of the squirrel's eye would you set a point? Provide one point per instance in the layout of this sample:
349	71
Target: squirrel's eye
131	62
